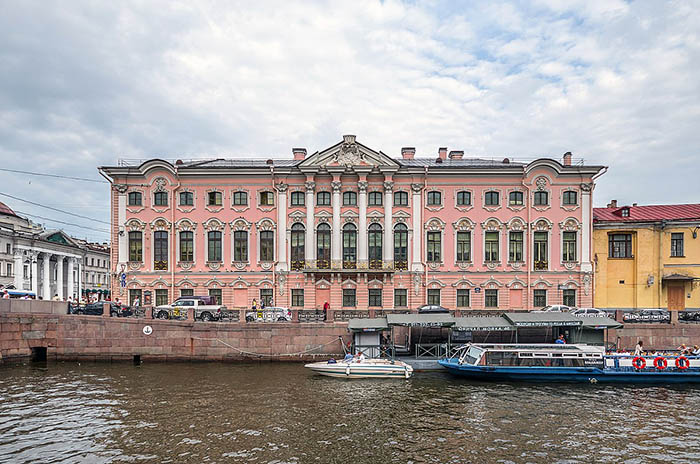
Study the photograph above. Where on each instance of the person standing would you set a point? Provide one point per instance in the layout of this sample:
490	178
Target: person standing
137	302
560	340
326	307
639	349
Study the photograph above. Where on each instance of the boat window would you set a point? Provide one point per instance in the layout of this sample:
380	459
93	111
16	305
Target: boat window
541	355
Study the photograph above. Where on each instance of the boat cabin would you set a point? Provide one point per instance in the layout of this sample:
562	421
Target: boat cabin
517	355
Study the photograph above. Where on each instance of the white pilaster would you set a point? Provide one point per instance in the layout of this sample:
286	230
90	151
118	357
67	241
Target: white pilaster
362	226
388	230
59	275
309	244
35	273
19	270
46	288
417	221
123	235
282	227
586	226
336	258
70	288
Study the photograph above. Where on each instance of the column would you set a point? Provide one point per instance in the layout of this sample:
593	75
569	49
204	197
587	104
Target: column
309	245
70	288
19	270
34	271
47	277
282	227
362	225
417	224
388	224
59	275
586	265
336	249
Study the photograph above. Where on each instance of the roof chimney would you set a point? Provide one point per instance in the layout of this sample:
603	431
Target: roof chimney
612	204
456	155
567	158
634	204
408	153
442	153
299	153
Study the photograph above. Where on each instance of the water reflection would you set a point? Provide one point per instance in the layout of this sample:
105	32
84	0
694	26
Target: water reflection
280	413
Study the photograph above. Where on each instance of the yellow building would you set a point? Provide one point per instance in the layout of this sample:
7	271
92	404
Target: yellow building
646	256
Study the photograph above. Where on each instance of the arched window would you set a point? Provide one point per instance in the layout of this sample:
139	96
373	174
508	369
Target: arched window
349	246
323	246
374	238
160	251
240	246
401	247
297	245
267	243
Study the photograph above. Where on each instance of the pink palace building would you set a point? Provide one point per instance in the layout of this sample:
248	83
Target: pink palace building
353	227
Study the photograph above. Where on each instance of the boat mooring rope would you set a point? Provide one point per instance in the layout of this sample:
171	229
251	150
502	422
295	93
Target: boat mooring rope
265	355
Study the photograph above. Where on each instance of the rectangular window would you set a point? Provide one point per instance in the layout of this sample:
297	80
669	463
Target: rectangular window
463	298
298	199
434	198
240	198
434	296
491	298
161	296
267	245
677	244
266	296
400	298
160	250
216	293
135	246
541	198
491	198
298	297
491	246
540	253
539	298
620	245
375	198
375	296
92	262
434	246
400	198
349	199
464	246
348	297
323	198
214	253
8	248
186	292
267	199
135	294
215	199
186	199
26	272
186	246
515	198
135	199
569	247
160	199
569	298
515	246
570	198
464	198
9	270
240	245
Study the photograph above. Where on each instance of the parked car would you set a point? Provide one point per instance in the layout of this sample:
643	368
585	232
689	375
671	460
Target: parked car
589	312
178	309
97	309
432	309
647	315
271	314
555	309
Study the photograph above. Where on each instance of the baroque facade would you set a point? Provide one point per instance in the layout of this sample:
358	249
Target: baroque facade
356	228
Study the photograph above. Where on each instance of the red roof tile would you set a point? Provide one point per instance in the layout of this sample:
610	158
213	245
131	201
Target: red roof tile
4	209
648	213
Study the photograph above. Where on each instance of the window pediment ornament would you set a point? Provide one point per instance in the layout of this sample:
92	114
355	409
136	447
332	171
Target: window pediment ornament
434	225
570	284
185	225
541	283
570	225
323	284
492	224
516	283
348	283
135	225
160	224
541	183
297	216
491	283
375	283
160	183
213	224
463	225
542	225
160	282
463	283
264	283
240	224
516	224
240	283
214	283
186	283
436	284
265	224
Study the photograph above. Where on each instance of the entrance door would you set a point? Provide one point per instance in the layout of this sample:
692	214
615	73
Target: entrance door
516	298
322	295
676	297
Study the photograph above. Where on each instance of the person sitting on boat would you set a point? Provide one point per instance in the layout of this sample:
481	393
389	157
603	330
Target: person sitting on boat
560	340
683	349
639	349
348	357
360	358
696	350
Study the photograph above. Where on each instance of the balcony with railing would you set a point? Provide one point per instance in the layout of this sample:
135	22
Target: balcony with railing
160	265
297	265
541	265
375	264
349	264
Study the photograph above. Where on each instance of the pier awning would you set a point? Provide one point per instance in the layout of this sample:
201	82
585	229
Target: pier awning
600	323
545	319
421	320
376	324
484	323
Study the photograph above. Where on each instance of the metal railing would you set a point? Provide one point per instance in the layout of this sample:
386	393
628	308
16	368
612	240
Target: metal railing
375	263
435	350
345	315
349	264
311	316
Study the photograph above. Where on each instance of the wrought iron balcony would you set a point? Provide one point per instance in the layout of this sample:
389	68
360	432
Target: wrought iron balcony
375	263
347	264
323	264
401	265
541	265
160	265
297	265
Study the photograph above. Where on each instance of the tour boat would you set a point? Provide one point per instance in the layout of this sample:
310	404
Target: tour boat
568	363
368	368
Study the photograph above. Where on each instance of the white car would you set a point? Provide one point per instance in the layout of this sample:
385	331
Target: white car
271	314
589	312
554	309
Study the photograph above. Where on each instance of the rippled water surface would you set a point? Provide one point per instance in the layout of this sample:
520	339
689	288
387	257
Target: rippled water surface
280	413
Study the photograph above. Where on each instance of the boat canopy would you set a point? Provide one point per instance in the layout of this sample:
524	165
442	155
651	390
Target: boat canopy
484	323
591	322
421	320
548	319
376	324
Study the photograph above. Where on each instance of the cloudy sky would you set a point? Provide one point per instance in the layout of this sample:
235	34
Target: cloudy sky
85	83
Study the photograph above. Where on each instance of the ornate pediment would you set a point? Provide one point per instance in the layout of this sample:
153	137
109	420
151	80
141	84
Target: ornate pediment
348	154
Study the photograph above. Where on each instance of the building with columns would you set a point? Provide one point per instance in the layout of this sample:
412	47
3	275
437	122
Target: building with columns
354	227
46	262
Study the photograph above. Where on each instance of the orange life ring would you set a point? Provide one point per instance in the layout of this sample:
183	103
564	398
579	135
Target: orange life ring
660	363
639	363
682	363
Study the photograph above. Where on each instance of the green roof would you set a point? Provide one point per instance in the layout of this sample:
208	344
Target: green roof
591	322
368	325
484	323
543	319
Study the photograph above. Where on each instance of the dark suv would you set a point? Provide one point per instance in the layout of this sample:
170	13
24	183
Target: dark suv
96	309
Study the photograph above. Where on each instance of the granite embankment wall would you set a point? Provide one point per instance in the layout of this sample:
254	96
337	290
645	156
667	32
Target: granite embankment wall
28	325
656	336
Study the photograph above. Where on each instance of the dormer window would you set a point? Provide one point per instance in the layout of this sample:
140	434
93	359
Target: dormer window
625	212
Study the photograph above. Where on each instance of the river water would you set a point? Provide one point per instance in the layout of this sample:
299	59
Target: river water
280	413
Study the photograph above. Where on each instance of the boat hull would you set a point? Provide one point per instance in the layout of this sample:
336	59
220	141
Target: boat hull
368	369
570	374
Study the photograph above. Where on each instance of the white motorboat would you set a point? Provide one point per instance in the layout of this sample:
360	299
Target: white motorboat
368	368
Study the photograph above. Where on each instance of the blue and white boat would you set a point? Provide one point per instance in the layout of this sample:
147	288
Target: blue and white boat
568	363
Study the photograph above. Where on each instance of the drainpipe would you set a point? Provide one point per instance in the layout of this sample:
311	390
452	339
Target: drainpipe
527	257
661	250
